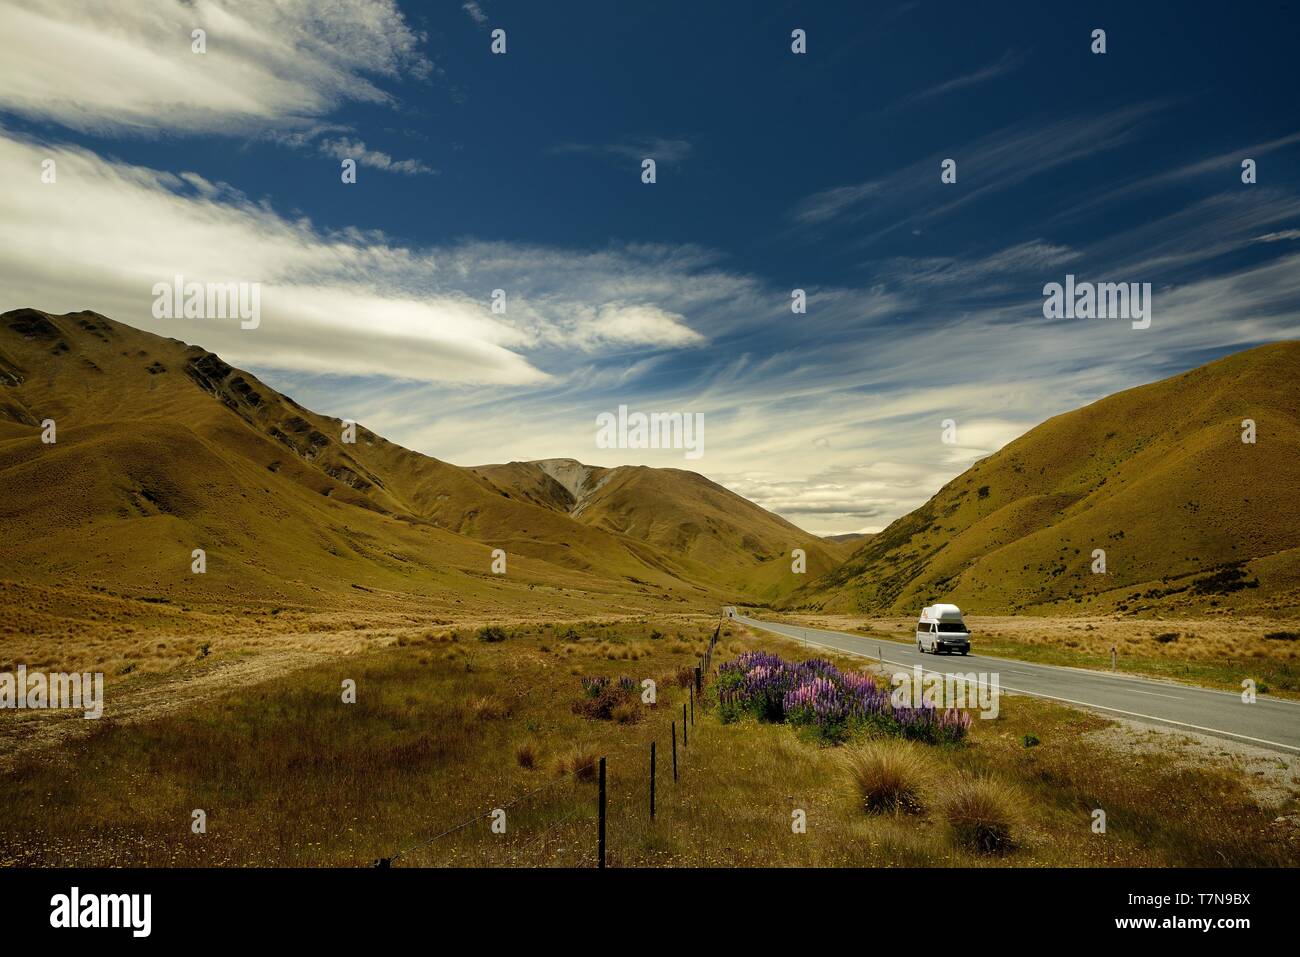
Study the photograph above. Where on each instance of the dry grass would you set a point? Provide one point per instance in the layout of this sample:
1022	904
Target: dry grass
580	762
290	777
890	776
526	756
983	814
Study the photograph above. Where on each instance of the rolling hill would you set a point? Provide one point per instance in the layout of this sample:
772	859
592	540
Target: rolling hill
162	447
1189	516
709	531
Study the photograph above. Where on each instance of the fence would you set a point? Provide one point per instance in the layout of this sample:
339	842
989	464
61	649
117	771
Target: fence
703	670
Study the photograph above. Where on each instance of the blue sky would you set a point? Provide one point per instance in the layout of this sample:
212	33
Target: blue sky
775	171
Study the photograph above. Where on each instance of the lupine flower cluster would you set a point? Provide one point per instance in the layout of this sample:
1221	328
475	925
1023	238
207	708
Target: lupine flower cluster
593	685
816	694
606	699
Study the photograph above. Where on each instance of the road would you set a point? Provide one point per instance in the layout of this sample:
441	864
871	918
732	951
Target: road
1268	722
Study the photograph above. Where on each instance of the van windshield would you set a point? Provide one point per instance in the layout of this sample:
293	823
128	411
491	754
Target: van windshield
952	626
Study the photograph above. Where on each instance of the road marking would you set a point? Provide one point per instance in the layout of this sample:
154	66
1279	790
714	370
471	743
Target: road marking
1051	697
1154	695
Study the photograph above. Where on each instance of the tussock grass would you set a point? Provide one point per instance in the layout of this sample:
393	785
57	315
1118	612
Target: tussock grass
983	814
890	776
526	756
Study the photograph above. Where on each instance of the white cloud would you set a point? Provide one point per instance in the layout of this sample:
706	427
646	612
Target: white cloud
476	12
129	67
349	303
344	148
1282	235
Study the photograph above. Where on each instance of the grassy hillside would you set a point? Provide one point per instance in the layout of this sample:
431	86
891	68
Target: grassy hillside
163	448
1190	518
711	533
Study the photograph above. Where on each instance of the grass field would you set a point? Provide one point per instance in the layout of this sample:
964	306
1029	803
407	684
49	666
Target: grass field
446	728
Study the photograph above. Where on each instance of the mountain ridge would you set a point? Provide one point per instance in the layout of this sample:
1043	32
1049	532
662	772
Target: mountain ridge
1157	477
167	445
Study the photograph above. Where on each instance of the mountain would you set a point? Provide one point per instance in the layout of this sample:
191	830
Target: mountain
710	532
848	538
162	447
1190	517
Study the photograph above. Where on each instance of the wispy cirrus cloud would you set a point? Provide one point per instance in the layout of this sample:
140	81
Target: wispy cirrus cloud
665	150
991	164
344	148
1227	166
1007	63
130	68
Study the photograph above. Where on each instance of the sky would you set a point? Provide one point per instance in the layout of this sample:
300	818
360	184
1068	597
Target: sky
522	171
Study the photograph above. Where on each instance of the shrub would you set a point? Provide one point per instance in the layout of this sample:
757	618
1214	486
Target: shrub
1167	637
606	700
1030	740
491	633
984	815
1283	635
889	777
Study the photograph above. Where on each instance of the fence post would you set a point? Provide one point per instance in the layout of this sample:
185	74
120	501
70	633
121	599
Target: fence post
684	741
692	711
652	780
674	752
600	839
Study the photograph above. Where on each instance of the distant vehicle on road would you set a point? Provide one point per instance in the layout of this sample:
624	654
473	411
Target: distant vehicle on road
941	629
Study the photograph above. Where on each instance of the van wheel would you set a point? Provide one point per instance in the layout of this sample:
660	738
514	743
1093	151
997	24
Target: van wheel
965	653
919	649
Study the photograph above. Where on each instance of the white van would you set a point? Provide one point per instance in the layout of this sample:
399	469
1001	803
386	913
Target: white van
942	629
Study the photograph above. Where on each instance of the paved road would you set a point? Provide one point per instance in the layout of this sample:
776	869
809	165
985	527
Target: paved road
1269	722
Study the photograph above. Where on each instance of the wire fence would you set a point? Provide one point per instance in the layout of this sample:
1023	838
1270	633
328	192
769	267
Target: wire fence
578	818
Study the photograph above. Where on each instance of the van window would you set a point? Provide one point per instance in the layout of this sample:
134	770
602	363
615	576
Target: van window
952	626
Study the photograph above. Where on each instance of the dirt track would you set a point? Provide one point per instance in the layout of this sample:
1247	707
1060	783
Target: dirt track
149	696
